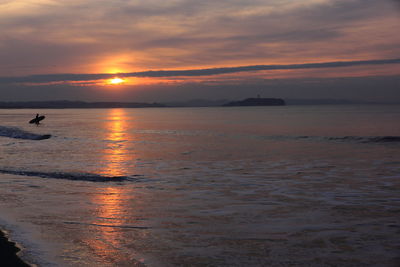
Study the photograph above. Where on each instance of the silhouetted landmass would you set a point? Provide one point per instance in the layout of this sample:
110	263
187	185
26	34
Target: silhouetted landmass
289	101
325	101
197	103
257	102
8	253
77	104
190	103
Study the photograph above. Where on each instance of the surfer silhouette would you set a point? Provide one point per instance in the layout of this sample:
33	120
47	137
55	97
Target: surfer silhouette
37	119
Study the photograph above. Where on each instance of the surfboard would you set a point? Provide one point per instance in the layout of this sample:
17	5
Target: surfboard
37	120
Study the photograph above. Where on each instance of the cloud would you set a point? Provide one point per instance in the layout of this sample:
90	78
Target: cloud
47	78
188	33
184	39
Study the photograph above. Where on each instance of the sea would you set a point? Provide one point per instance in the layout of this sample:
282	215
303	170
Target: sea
214	186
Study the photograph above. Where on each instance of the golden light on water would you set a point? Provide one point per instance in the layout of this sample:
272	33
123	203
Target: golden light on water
116	81
111	224
117	153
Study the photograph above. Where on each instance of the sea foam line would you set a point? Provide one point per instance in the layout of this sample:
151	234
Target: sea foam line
350	139
358	139
13	132
71	176
110	225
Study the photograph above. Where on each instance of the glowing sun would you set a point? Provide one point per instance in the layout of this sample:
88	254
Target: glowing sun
116	80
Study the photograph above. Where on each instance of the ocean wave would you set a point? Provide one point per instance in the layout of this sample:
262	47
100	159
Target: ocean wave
356	139
91	177
109	225
17	133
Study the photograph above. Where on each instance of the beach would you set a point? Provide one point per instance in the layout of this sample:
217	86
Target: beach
8	253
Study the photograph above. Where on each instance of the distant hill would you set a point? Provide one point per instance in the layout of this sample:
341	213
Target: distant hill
257	102
323	101
76	104
197	103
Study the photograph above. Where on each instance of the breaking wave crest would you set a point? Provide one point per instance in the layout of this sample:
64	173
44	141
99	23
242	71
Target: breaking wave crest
369	139
17	133
71	176
356	139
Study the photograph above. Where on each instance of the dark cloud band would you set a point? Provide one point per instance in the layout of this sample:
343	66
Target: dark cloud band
44	78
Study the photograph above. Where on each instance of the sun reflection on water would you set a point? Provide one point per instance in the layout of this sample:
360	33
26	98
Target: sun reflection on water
111	223
117	154
107	235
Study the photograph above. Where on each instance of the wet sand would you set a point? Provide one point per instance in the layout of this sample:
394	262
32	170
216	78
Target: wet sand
8	253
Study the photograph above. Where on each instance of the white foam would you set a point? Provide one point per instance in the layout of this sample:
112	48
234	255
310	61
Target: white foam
13	132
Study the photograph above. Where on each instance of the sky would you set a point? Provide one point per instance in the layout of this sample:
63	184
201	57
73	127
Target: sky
176	50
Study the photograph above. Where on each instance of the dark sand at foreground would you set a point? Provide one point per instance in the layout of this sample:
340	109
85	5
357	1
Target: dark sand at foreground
8	253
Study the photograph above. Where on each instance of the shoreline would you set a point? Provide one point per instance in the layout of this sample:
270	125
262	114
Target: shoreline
9	252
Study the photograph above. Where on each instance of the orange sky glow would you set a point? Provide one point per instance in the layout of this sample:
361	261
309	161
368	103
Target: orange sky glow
45	37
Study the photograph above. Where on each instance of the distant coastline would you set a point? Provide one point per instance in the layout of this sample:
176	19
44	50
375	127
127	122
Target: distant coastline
248	102
66	104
